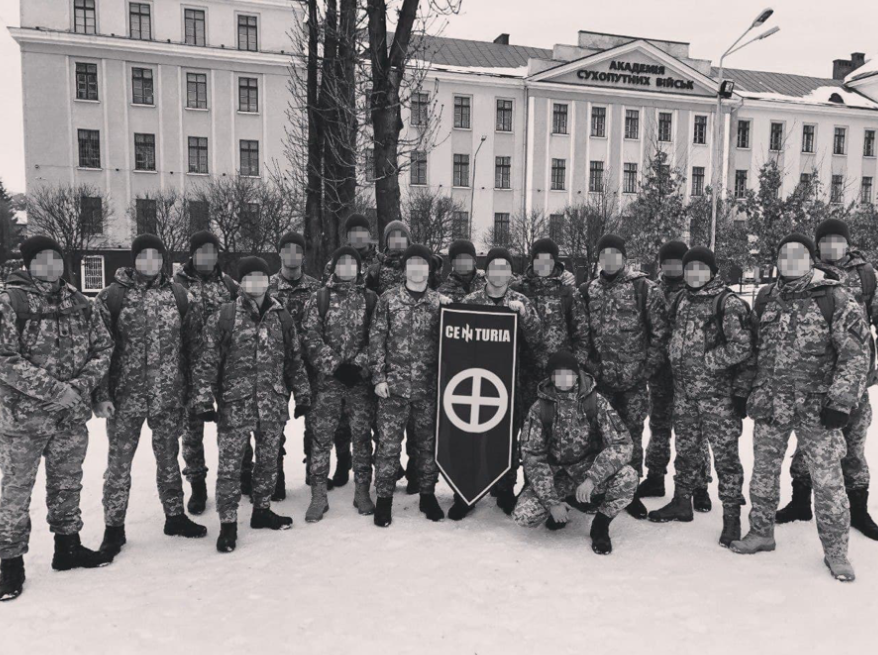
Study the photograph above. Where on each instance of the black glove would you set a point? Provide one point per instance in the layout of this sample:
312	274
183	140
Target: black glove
833	419
348	374
206	417
301	410
740	404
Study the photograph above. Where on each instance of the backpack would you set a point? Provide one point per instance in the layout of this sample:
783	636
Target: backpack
719	310
825	301
547	412
227	323
117	292
869	284
23	314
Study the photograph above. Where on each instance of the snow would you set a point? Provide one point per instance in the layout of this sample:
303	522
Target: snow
819	96
483	585
867	69
496	71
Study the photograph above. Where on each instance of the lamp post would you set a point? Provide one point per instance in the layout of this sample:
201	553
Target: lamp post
717	131
472	191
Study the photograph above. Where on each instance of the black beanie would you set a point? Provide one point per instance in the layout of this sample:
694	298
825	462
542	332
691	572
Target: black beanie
562	359
249	265
417	250
544	245
461	247
33	246
833	226
497	253
202	238
347	250
796	237
612	241
357	220
291	237
145	241
672	250
703	255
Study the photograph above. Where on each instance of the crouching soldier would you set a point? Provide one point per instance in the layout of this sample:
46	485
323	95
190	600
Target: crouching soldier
464	277
336	336
575	450
710	340
252	357
54	351
811	364
154	323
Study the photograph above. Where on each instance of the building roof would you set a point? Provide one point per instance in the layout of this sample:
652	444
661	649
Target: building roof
443	51
868	69
796	86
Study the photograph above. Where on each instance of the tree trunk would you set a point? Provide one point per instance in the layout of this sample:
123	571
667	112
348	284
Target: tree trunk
314	251
346	143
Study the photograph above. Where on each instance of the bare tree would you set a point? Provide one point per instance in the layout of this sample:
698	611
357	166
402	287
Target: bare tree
230	201
431	216
168	219
520	233
586	222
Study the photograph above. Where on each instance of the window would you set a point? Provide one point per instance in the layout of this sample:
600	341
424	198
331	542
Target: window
144	152
420	108
196	90
698	180
808	138
501	228
139	21
199	215
559	174
141	86
596	177
740	184
84	17
418	172
247	33
632	124
504	116
869	143
248	94
503	172
194	19
805	179
556	228
559	119
91	214
86	81
665	126
699	136
775	137
89	148
198	154
462	112
460	225
460	172
838	141
629	178
250	158
145	214
744	134
866	191
836	192
92	273
599	122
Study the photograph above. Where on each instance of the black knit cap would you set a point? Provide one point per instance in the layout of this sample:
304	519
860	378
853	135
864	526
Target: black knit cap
797	237
145	241
562	359
347	250
202	238
703	255
544	245
247	265
417	250
832	226
461	247
291	237
33	246
497	253
357	220
672	250
612	241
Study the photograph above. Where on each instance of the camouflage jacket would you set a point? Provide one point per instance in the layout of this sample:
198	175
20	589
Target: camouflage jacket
252	363
209	291
342	336
64	348
583	449
404	342
628	342
529	327
387	272
293	294
670	287
704	364
847	271
797	353
456	286
153	346
369	258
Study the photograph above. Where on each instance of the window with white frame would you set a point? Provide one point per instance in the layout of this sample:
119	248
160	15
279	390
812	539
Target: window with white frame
84	17
599	122
139	21
559	118
194	26
665	126
699	136
504	116
632	124
462	111
92	273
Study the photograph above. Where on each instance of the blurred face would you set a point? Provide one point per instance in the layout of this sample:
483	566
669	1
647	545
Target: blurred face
397	240
672	268
292	255
149	262
544	264
417	270
358	238
346	268
463	264
564	379
697	274
833	248
255	284
205	258
611	260
794	260
499	273
47	266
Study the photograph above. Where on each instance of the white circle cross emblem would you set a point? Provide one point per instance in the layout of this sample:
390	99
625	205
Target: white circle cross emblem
475	400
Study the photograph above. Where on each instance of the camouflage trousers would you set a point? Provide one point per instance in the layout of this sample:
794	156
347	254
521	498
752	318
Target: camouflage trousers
661	412
393	415
853	466
193	450
615	494
20	456
247	464
123	434
632	405
823	450
334	401
697	421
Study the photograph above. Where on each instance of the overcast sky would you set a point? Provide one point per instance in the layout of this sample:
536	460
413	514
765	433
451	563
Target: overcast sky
813	33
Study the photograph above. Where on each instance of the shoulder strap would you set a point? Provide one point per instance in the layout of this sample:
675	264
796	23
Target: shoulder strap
762	300
547	416
115	295
371	301
675	303
289	326
181	297
590	405
323	302
719	310
227	320
825	300
181	279
641	294
21	307
230	285
869	283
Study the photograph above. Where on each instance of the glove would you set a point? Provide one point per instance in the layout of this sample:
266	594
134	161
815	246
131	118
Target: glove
301	410
740	404
208	416
348	374
832	419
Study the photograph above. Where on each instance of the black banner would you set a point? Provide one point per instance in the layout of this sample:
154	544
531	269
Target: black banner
477	353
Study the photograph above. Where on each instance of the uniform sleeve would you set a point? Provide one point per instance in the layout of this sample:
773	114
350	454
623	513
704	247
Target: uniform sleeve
531	324
617	444
657	330
850	336
205	373
322	357
93	374
535	458
378	342
295	374
580	331
739	339
193	329
101	392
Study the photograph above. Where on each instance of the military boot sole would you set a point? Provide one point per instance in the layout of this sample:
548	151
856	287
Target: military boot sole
842	573
195	534
747	550
97	564
669	519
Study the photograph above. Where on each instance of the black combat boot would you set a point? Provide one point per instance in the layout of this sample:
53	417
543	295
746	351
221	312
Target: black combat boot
114	539
799	508
430	507
860	518
266	519
182	526
383	512
679	509
731	525
413	484
246	482
636	509
228	537
459	509
342	468
71	554
600	534
199	497
307	463
280	487
653	486
701	501
11	578
506	500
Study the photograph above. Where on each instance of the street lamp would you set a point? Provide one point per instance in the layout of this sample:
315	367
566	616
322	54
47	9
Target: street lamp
717	146
472	191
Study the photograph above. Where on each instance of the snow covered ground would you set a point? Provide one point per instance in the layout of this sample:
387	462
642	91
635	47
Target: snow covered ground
480	586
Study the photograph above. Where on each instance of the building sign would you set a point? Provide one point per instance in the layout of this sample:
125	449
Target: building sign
637	74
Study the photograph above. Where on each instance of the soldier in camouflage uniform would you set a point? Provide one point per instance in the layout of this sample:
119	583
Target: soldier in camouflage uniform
251	362
210	287
154	328
575	450
808	373
336	337
403	358
54	351
710	341
464	277
848	266
629	332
